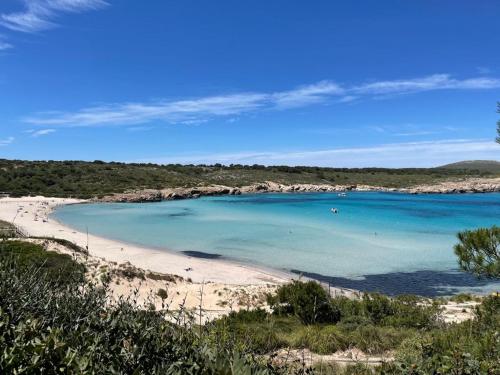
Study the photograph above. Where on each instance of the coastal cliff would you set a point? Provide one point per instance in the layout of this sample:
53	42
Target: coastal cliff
476	185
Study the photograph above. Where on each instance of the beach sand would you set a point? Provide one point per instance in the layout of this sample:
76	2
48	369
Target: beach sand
218	286
32	216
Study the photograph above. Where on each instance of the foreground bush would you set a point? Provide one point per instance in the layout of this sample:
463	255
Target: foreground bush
375	324
308	301
311	304
471	347
58	268
47	327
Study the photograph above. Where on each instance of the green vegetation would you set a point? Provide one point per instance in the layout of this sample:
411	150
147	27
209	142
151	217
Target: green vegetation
478	251
7	230
91	179
488	166
60	268
47	327
407	325
464	297
308	301
53	321
305	316
61	241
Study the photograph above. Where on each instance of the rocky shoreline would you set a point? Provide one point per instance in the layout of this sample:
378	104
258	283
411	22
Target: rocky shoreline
476	185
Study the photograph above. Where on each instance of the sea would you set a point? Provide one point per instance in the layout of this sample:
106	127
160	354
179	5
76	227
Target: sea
392	243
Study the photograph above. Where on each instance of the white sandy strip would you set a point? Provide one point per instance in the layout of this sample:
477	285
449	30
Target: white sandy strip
32	216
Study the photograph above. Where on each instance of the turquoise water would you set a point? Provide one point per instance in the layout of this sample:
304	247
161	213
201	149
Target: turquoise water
391	242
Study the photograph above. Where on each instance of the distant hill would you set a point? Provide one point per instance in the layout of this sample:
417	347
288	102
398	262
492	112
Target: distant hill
84	179
491	166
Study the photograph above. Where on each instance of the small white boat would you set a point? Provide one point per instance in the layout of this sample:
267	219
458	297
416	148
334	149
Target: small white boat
334	210
342	194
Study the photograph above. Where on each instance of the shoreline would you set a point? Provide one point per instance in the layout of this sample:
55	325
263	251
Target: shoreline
194	269
32	216
335	283
261	269
473	185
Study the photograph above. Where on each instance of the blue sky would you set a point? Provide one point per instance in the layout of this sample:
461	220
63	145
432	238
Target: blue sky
367	83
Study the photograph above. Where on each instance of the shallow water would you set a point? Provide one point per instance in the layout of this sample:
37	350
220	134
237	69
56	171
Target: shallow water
391	242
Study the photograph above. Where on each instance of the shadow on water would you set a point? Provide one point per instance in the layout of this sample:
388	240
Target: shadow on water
169	214
201	254
423	283
179	214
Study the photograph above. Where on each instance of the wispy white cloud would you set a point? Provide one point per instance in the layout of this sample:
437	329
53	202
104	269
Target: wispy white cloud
5	45
416	133
38	133
348	99
205	108
139	128
429	83
409	154
6	141
411	130
484	70
377	128
39	15
174	111
305	95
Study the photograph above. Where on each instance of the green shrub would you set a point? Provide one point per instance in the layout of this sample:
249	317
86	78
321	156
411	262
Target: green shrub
348	307
248	316
377	306
358	369
60	268
471	347
7	230
129	272
163	277
376	340
162	293
350	323
312	304
321	340
464	297
411	349
413	312
68	244
308	301
329	368
54	328
253	331
488	312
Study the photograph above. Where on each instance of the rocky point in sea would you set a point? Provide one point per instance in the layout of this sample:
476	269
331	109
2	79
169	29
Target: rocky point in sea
476	185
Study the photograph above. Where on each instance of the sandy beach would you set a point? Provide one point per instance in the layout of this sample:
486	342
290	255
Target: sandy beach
225	286
32	215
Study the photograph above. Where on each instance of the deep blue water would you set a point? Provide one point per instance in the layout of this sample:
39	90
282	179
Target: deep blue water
390	242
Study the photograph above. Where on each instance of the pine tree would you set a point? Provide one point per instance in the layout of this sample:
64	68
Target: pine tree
478	251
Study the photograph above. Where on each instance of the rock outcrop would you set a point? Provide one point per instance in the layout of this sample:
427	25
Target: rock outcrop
151	195
473	185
